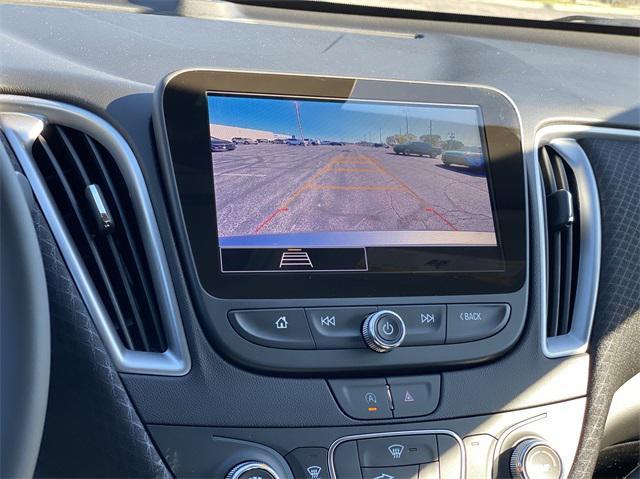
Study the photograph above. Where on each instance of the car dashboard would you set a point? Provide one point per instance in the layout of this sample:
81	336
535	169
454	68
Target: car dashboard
284	243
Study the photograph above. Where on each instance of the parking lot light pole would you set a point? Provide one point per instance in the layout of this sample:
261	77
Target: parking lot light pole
299	119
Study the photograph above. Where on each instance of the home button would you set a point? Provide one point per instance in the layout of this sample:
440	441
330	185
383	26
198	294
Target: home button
276	328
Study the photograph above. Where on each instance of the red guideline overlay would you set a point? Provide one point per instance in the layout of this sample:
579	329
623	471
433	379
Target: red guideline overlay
268	219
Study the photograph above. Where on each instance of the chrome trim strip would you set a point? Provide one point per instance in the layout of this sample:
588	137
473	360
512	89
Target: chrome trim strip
22	119
588	276
563	138
446	432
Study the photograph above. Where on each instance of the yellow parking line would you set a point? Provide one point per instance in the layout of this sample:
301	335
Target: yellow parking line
312	181
341	158
355	170
400	181
357	187
353	161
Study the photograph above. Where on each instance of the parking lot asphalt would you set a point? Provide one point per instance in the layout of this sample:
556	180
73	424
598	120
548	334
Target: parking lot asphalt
271	188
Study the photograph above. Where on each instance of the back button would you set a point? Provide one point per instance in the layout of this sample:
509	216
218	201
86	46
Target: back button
471	322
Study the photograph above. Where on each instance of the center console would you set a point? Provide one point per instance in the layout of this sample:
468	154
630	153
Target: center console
365	236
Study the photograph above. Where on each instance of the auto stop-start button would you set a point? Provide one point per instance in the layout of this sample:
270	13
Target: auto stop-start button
470	322
363	398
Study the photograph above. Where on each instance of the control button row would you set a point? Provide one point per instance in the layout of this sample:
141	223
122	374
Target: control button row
341	328
422	456
410	456
391	398
394	456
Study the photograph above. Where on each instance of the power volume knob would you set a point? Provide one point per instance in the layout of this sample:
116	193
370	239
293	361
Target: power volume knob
252	470
535	459
383	331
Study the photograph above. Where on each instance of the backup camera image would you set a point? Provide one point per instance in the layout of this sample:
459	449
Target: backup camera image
324	178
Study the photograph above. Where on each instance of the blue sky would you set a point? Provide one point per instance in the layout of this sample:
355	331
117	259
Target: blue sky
349	121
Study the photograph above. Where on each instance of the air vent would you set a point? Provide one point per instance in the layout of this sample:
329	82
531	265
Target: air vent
96	208
563	235
567	225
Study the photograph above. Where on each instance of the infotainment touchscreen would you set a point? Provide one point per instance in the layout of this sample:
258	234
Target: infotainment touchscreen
303	186
307	184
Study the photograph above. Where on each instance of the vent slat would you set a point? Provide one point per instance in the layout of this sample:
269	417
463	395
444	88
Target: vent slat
561	240
140	269
555	279
90	192
564	319
74	156
125	282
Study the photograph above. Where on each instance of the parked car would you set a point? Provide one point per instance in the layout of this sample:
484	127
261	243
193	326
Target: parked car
419	148
311	141
262	140
221	145
296	142
380	145
243	141
471	159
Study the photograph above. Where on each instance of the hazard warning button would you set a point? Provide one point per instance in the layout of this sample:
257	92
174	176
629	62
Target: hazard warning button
415	395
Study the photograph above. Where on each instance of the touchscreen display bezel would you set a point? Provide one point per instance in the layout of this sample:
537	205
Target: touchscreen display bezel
185	115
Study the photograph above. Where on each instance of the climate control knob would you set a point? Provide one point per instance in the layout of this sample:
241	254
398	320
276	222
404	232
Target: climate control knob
252	470
383	331
535	459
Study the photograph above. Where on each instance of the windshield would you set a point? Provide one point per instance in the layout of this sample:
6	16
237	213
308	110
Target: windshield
607	12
